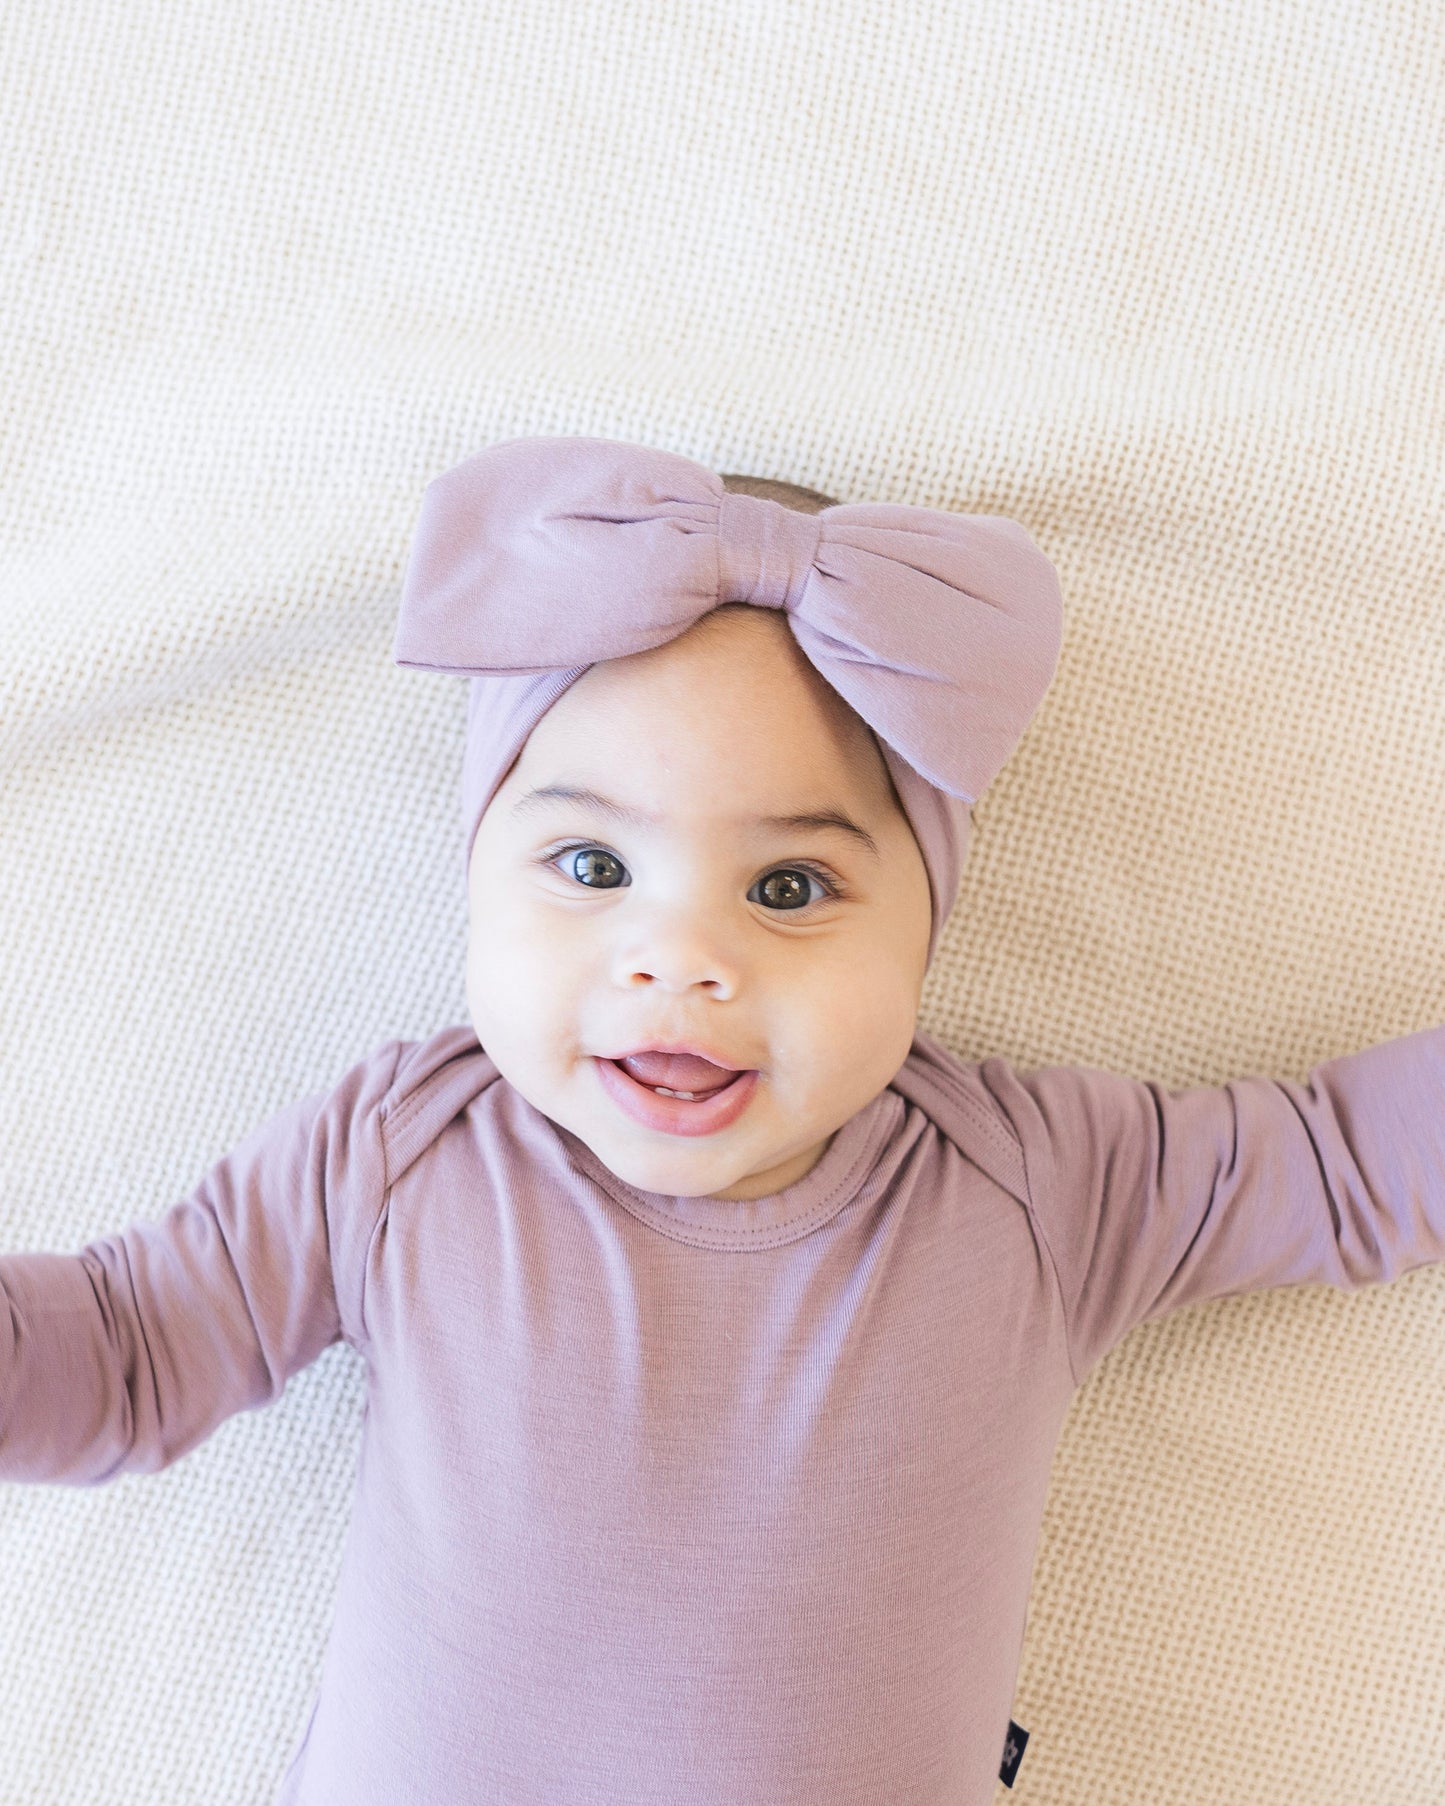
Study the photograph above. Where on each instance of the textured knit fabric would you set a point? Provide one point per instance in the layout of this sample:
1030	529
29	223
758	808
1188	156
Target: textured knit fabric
687	1502
1160	280
537	557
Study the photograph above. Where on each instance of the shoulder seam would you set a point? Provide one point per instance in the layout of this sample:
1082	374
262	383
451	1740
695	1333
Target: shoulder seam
1000	1131
996	1130
400	1114
380	1216
1001	1123
383	1122
1048	1249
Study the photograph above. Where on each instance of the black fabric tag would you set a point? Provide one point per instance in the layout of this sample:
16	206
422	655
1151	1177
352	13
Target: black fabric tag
1013	1753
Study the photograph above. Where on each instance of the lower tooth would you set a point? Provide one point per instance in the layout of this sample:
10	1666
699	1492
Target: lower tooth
691	1096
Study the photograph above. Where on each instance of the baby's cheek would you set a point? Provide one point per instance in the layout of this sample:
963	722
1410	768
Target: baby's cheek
868	1023
518	989
501	988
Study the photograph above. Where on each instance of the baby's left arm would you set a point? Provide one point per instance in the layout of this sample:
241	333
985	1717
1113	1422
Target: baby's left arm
1149	1200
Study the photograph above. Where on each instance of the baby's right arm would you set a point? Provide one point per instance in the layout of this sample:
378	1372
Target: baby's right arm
121	1358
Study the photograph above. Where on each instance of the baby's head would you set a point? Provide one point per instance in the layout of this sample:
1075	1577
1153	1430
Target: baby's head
720	763
730	871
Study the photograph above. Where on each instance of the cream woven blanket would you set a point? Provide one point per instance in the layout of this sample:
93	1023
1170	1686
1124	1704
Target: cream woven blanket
1161	279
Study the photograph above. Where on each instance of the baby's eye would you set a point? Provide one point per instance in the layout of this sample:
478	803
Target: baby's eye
787	887
595	866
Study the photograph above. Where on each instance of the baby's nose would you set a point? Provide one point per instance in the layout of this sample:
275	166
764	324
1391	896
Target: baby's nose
678	959
668	975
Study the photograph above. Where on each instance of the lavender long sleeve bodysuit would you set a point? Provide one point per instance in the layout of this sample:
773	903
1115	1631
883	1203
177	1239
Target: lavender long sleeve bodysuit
685	1502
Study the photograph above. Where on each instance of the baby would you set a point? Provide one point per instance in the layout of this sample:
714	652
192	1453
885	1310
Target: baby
718	1324
697	878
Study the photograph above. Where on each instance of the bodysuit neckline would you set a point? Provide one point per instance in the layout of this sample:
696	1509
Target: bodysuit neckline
767	1222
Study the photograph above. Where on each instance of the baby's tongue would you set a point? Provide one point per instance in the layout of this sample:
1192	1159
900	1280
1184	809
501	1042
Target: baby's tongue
679	1072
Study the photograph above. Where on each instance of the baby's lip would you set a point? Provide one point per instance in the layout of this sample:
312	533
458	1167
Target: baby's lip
666	1111
695	1048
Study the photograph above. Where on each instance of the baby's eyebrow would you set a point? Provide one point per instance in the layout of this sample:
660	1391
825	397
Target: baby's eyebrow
568	793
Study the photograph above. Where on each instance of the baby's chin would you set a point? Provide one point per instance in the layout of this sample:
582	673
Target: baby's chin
675	1166
671	1166
664	1179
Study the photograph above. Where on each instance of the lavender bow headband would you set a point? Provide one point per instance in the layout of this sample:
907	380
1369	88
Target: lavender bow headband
538	557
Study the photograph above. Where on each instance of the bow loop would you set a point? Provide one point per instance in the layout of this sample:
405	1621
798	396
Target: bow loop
536	555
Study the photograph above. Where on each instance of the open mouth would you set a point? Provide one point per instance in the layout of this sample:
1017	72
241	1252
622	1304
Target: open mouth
715	1097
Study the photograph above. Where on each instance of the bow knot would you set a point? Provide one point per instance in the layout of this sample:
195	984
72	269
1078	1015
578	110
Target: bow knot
545	555
765	551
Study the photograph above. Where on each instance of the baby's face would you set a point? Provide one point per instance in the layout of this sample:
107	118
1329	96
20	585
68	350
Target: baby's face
671	906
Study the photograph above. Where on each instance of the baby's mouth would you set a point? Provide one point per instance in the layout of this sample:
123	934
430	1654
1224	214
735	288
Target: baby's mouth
676	1094
677	1075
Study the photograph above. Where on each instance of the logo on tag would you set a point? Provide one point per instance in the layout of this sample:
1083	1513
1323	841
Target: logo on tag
1013	1753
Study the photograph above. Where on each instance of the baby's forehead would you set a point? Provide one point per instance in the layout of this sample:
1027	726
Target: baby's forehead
744	654
733	821
737	670
738	727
